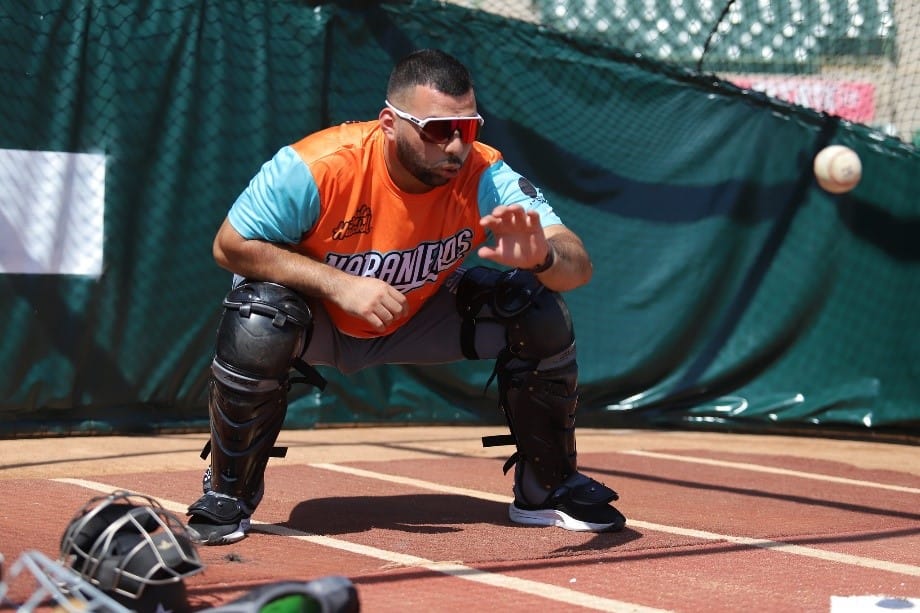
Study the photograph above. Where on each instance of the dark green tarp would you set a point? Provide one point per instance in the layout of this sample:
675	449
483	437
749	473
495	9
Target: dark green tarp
729	290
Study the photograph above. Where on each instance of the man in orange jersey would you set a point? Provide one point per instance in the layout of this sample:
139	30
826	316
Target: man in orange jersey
346	250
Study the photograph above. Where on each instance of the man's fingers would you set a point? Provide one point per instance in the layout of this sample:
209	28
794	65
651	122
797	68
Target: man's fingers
511	219
374	301
384	316
489	253
390	306
396	303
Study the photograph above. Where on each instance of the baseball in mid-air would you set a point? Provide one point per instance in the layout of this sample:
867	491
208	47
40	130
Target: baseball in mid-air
838	169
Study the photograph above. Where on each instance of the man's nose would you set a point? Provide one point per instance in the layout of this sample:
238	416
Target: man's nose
455	145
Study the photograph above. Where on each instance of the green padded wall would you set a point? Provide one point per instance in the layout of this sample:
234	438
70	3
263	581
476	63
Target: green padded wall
729	290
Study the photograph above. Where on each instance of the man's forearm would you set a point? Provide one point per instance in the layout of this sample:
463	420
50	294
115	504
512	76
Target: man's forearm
266	261
571	266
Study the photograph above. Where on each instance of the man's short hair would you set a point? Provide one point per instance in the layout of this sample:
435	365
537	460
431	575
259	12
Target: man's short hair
431	67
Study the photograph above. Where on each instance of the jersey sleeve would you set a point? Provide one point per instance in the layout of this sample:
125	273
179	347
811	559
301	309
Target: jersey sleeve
499	184
280	203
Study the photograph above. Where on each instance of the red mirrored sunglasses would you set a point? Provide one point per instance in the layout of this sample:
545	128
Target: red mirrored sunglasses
440	130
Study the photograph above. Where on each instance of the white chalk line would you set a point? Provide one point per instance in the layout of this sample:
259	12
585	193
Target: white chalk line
460	571
551	592
772	470
841	558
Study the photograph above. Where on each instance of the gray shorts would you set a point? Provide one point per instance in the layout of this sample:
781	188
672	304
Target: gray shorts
432	336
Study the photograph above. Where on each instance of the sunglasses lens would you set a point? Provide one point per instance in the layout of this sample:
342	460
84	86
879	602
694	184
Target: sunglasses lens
441	131
469	129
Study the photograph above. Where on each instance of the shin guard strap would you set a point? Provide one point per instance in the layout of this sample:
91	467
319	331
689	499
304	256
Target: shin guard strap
540	409
276	452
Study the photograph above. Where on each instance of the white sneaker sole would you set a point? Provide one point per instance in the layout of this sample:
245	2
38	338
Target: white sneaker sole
239	534
552	517
224	539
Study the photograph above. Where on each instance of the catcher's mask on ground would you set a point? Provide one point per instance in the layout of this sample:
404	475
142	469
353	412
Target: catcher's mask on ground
131	548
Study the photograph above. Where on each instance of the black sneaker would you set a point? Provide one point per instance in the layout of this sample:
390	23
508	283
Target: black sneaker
217	519
580	504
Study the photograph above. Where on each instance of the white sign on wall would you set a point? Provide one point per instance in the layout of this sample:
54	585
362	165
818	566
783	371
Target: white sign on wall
51	212
851	100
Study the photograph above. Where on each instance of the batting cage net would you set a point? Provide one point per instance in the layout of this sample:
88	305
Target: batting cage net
676	137
856	59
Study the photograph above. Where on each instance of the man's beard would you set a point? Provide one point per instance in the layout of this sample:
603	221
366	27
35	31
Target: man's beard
416	166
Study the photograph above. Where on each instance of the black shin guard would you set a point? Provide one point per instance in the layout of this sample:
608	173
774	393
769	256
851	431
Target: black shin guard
264	330
537	371
540	408
246	417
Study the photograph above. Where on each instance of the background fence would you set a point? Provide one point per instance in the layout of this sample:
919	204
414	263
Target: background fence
730	291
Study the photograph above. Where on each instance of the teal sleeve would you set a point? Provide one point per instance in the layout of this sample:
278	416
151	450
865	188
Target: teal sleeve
280	203
500	184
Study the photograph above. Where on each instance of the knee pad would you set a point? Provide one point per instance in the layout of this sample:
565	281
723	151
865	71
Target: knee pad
264	328
537	322
263	331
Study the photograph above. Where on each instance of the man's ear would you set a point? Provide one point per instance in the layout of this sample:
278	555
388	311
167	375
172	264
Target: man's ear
387	121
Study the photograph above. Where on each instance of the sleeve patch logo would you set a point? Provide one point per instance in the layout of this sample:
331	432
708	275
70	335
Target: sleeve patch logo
527	187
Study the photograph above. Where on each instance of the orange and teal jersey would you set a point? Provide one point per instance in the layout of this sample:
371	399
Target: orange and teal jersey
330	197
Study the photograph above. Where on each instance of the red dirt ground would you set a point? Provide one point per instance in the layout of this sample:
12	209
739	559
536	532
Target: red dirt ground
417	519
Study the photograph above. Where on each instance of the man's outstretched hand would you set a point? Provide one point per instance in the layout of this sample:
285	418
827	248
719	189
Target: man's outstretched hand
519	238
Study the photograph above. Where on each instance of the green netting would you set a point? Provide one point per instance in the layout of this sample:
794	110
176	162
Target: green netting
729	289
741	35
